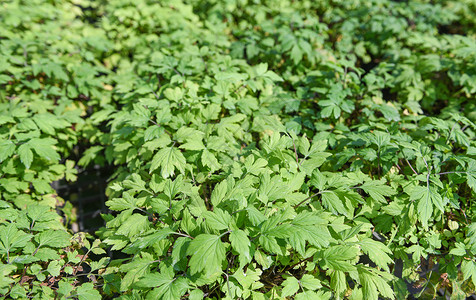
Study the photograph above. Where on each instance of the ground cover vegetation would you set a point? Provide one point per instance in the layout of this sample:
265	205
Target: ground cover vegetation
269	149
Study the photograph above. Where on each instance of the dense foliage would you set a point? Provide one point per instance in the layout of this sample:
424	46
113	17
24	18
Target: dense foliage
262	149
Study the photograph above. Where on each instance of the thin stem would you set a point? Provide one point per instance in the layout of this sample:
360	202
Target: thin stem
32	224
81	261
464	214
177	72
228	284
25	55
236	211
157	124
225	233
254	238
451	131
345	77
36	250
398	167
158	81
144	211
306	156
295	150
183	234
295	153
428	180
453	172
238	88
426	285
310	197
411	167
301	261
424	160
378	163
155	94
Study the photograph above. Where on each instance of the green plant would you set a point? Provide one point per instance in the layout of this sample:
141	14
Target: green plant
267	149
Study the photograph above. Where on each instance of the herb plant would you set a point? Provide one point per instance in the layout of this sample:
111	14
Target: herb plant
268	149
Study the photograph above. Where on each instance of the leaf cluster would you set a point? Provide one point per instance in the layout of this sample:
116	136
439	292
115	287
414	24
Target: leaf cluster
269	149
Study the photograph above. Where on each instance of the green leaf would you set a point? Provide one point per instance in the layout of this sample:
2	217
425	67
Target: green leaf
377	252
71	172
166	285
196	295
174	94
296	54
269	243
54	268
290	287
389	112
137	268
7	148
44	148
209	160
193	145
89	155
378	190
219	192
331	201
471	175
168	159
338	257
42	186
48	122
427	198
217	219
255	167
309	295
469	270
241	244
256	217
310	282
135	183
207	253
309	227
249	280
11	238
471	180
373	284
152	132
64	288
458	250
418	252
120	204
134	225
87	291
26	155
41	213
338	281
53	238
5	271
